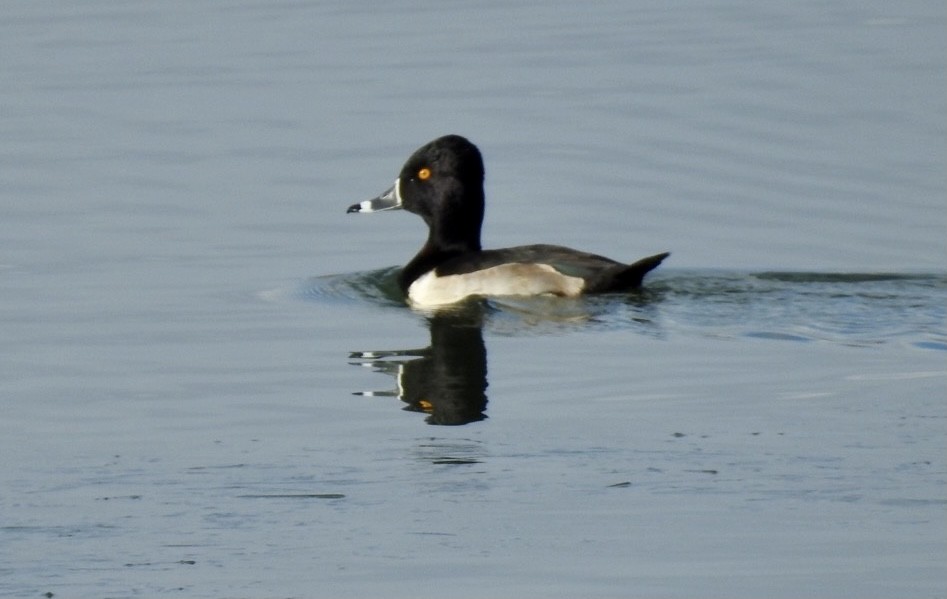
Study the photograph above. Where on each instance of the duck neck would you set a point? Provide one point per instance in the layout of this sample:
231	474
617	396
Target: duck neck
440	247
430	257
456	227
452	232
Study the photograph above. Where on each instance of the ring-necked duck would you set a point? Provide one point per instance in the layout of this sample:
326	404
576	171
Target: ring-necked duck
442	182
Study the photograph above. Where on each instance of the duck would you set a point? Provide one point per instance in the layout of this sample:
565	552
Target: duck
442	182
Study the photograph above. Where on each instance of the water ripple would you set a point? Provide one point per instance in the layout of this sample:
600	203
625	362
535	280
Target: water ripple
860	309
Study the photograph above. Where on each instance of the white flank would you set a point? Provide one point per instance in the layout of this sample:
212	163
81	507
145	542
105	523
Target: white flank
506	279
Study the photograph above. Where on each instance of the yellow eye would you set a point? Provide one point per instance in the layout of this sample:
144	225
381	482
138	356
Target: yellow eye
424	174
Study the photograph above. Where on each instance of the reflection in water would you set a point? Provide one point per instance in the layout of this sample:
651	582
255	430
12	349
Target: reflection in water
448	380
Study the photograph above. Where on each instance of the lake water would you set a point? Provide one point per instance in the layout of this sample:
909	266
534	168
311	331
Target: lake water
208	388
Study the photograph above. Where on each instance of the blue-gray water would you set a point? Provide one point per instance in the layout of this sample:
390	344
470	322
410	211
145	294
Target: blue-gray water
199	349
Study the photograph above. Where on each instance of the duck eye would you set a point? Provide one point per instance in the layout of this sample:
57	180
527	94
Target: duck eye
424	174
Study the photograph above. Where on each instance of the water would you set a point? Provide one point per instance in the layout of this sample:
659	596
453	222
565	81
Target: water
201	352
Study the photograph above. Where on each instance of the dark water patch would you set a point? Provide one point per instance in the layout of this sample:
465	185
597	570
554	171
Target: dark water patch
841	277
180	562
451	452
861	309
543	315
118	497
914	503
194	469
378	287
293	496
61	531
455	462
776	336
935	345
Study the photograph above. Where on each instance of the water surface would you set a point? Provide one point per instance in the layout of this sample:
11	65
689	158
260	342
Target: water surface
200	351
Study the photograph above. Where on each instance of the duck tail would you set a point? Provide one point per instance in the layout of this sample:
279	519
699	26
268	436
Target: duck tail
629	276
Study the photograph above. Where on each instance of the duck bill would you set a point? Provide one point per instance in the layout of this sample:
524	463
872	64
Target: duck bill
390	200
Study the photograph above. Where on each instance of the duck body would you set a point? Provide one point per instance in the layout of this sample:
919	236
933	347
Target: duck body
442	182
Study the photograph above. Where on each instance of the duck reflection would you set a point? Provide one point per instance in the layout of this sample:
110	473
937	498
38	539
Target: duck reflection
447	380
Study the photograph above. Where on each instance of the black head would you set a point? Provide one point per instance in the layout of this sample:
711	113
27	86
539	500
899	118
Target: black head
442	182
